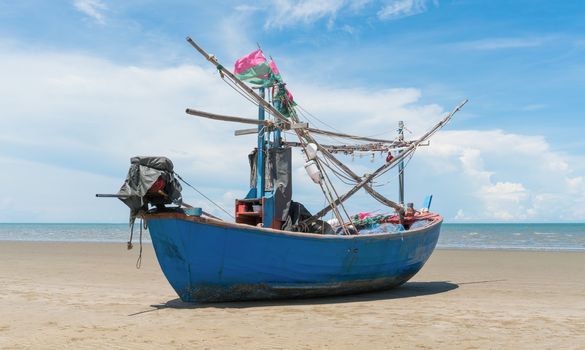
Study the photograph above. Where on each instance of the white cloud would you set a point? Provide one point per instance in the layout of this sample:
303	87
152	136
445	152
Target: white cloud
92	8
285	13
233	31
460	215
503	200
357	5
500	199
472	165
533	107
576	185
505	43
396	9
509	176
372	112
81	119
86	115
509	191
48	193
348	29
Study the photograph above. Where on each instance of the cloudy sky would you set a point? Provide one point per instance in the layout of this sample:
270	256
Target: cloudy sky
87	84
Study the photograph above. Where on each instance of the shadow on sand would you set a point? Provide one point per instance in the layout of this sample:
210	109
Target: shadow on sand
407	290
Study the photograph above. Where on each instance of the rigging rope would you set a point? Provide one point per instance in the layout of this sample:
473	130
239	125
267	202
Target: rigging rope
139	260
342	177
340	204
129	243
209	199
409	155
305	136
319	120
395	176
240	91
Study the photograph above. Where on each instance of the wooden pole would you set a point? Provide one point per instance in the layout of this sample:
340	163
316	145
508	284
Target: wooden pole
242	85
348	149
354	176
260	154
225	118
378	171
228	118
300	132
101	195
401	167
361	138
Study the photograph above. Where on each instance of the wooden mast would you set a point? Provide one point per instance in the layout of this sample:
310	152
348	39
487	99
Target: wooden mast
303	135
225	118
245	87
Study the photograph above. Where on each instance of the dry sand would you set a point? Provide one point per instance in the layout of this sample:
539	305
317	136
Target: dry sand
75	296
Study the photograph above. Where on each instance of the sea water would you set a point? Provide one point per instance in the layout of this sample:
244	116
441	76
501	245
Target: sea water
563	236
70	232
558	237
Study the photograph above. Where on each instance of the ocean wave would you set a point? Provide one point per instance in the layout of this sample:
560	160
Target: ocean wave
510	247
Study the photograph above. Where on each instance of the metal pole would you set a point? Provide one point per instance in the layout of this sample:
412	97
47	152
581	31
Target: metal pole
101	195
260	167
276	132
401	166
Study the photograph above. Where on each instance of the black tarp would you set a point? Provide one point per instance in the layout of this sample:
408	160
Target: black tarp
253	159
296	213
278	178
143	173
280	168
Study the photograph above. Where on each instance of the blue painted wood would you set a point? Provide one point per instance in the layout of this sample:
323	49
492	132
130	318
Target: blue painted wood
206	260
427	202
251	193
260	165
268	209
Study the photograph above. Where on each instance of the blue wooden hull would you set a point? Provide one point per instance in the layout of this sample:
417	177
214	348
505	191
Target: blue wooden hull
208	261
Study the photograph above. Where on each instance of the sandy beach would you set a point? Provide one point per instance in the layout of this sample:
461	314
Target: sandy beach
78	295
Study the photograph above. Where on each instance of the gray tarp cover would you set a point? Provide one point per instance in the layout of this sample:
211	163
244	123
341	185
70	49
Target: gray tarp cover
143	173
280	169
277	177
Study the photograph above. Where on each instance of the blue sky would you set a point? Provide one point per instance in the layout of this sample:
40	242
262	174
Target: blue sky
86	84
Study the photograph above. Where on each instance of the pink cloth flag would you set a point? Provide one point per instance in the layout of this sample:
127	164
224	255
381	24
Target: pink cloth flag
249	61
255	69
273	67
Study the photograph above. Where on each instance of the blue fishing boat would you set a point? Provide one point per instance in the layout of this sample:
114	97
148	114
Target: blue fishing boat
208	260
276	248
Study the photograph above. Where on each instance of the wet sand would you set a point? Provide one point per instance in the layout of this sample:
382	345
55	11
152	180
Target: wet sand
75	296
